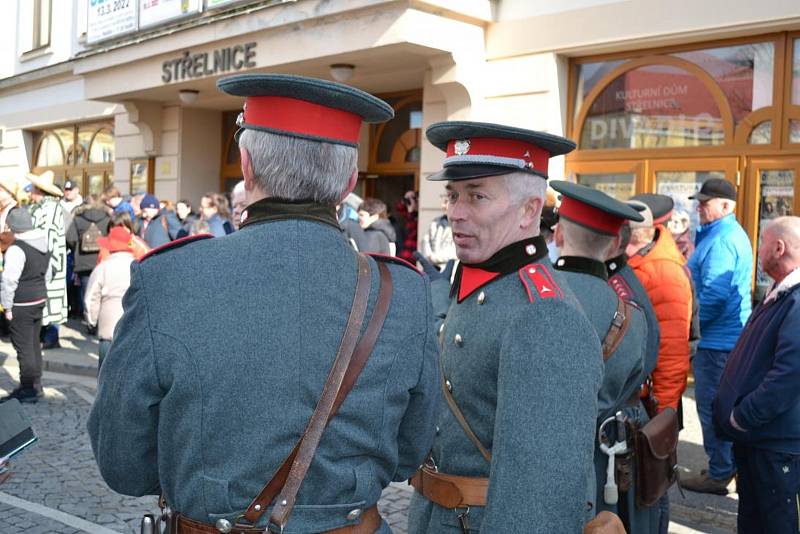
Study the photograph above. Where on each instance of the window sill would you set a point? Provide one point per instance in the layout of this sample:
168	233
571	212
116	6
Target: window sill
36	52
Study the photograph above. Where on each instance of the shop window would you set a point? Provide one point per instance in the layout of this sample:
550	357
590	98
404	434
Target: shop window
102	147
794	131
680	185
777	200
141	171
655	106
619	186
744	73
84	153
761	134
588	76
796	73
51	151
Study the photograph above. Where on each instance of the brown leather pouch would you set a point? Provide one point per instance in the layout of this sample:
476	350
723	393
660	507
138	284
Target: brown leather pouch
656	457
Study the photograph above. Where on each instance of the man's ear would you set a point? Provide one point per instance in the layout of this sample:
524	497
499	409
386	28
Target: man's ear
351	184
558	235
247	170
780	247
531	212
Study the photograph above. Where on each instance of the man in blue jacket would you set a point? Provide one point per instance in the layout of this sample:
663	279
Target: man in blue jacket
722	271
758	403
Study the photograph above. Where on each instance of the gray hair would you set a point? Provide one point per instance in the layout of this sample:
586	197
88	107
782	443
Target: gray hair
584	242
524	185
300	169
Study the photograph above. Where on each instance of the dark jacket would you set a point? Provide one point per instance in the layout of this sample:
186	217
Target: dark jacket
161	230
82	218
378	236
761	378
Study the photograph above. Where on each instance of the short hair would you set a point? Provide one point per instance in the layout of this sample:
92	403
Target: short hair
111	192
642	235
374	206
624	236
524	185
586	242
300	169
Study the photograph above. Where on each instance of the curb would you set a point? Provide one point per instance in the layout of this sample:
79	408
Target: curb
707	517
69	368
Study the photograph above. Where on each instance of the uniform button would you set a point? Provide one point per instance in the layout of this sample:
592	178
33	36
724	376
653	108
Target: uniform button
437	430
448	385
354	514
459	341
560	263
530	250
223	525
612	266
481	297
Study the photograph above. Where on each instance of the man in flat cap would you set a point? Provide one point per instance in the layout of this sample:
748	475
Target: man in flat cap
722	270
588	230
203	408
513	451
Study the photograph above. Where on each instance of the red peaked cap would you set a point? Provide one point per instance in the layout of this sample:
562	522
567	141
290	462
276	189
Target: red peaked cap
593	209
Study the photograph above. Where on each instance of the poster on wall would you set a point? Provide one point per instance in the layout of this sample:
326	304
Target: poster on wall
155	12
110	18
680	191
777	200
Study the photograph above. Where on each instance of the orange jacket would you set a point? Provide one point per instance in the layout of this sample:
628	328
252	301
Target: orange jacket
662	273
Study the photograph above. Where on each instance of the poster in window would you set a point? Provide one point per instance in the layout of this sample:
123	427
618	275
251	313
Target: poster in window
155	12
108	19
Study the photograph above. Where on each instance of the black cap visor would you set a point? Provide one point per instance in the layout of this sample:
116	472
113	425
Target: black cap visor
454	173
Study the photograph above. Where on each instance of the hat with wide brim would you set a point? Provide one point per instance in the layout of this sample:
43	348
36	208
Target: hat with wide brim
482	149
45	182
9	185
306	108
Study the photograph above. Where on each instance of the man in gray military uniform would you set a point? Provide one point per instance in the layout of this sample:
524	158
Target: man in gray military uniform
587	232
521	363
211	379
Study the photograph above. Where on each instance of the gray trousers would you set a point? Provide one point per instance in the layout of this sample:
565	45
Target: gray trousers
25	326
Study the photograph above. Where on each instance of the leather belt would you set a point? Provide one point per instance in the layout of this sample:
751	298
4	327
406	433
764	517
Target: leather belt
450	491
370	523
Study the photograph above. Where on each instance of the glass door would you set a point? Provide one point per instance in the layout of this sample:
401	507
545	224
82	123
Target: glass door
619	179
773	183
681	178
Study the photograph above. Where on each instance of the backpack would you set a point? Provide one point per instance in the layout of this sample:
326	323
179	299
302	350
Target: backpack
89	239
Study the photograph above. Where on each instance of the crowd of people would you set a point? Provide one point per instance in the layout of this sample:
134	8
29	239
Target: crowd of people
65	254
567	322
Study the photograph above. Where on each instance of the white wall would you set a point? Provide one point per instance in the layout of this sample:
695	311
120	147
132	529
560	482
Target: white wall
200	153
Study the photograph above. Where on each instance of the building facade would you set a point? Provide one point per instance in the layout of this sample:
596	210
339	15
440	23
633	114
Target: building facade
658	95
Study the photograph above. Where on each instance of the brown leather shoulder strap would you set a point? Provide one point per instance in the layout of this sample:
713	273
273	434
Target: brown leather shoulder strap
349	362
459	415
617	330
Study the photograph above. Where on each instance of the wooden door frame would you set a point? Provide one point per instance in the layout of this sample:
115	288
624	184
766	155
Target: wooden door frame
753	185
635	167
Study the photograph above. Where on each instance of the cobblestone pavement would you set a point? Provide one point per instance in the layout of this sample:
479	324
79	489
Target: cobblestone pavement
56	487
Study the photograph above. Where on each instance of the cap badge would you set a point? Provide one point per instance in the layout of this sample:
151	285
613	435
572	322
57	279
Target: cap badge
530	250
240	120
461	147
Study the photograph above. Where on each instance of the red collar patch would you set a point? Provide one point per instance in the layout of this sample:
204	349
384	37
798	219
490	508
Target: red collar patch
472	279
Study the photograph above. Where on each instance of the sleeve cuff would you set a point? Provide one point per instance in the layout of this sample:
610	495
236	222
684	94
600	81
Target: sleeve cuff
735	425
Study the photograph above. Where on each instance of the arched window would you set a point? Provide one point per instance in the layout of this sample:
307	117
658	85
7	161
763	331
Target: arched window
82	153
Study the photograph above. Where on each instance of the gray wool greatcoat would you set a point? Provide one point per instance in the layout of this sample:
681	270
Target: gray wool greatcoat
525	367
623	377
221	356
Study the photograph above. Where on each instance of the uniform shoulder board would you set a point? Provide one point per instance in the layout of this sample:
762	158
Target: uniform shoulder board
175	244
537	280
393	259
621	287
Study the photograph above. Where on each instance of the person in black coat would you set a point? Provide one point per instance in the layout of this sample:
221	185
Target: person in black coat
89	221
